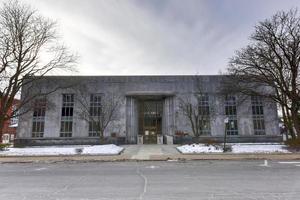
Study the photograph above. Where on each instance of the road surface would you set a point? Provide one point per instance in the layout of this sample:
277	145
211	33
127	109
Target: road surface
232	180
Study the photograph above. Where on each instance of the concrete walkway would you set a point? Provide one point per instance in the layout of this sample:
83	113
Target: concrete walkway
146	152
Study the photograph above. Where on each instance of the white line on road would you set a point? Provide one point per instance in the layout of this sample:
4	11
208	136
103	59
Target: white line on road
152	167
290	162
265	164
145	182
40	169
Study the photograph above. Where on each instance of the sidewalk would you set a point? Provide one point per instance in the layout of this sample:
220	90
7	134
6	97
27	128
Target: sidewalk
148	153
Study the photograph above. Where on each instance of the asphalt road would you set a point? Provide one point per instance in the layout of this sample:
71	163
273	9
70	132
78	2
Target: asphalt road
234	180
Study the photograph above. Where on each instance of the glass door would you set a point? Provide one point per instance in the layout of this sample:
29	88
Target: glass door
150	120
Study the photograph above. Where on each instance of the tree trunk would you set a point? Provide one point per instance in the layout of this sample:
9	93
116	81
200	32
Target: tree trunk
290	126
193	125
197	127
1	135
296	123
287	121
101	137
1	129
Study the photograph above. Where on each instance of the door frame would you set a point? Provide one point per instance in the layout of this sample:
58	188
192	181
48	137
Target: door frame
148	138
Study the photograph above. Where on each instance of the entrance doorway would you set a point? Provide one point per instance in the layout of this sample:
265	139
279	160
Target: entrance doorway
150	120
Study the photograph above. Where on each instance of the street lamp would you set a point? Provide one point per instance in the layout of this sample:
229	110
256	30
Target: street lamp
226	121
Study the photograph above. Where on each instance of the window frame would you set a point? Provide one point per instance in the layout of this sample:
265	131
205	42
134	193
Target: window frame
204	113
95	111
38	117
230	105
67	113
257	108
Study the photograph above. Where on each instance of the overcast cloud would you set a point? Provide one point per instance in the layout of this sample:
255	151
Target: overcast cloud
136	37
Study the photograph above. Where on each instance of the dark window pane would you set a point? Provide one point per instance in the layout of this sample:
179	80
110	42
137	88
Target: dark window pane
95	112
204	112
258	115
67	115
38	121
231	113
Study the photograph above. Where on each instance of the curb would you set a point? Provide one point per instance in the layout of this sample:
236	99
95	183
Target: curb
123	158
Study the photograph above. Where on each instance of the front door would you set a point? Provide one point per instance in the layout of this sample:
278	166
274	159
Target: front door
150	120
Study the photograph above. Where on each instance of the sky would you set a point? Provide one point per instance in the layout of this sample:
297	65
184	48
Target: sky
156	37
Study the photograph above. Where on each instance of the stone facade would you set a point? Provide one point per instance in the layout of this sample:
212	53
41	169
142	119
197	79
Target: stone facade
131	90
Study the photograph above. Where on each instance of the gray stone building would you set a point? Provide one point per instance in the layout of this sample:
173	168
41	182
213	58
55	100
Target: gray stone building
146	109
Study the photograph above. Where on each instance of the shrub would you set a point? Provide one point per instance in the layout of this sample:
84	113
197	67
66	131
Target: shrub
227	148
3	146
19	145
113	134
216	144
293	143
208	142
78	150
179	133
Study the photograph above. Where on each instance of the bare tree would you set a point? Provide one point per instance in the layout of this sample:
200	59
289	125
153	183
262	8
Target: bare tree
269	65
29	49
197	109
99	110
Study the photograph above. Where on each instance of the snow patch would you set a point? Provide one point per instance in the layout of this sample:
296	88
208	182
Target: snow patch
259	148
199	148
236	148
13	125
109	149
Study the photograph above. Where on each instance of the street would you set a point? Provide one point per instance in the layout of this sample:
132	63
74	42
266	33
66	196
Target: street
234	180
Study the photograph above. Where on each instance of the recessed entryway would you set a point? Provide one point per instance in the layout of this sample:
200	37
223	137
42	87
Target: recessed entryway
150	120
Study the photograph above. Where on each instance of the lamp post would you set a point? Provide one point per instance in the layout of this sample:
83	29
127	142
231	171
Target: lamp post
226	121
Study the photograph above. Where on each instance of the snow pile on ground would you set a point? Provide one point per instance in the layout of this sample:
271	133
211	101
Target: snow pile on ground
259	148
236	148
199	148
102	149
109	149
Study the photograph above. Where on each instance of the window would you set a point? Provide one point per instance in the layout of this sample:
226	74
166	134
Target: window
5	138
258	115
95	105
66	124
204	118
95	113
231	113
94	129
14	120
38	121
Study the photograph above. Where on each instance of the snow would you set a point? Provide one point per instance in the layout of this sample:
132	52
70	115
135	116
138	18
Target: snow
236	148
109	149
198	148
102	149
259	148
13	125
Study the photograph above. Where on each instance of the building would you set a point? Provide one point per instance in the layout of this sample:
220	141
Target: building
149	108
9	129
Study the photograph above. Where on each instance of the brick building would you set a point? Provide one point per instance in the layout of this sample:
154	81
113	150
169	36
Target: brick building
10	126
